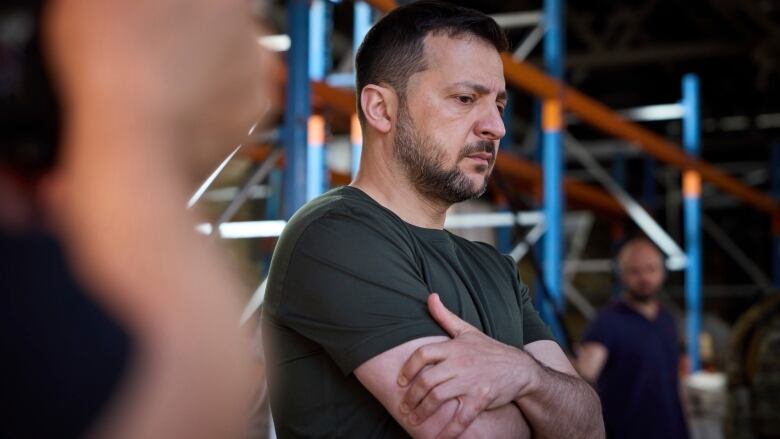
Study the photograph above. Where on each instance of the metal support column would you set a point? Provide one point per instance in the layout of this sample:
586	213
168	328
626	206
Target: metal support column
552	159
298	106
649	193
774	173
362	22
692	218
319	54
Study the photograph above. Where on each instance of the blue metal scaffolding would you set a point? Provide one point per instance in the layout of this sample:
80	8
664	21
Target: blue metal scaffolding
552	162
298	107
692	218
362	22
319	55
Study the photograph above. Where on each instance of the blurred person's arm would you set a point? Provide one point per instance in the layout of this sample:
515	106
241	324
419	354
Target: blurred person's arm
591	358
154	92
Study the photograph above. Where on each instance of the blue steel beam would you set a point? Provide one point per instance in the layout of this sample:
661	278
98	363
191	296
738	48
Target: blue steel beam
362	22
319	56
552	162
298	106
692	218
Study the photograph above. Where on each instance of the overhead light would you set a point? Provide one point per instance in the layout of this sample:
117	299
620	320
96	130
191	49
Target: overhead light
276	43
245	229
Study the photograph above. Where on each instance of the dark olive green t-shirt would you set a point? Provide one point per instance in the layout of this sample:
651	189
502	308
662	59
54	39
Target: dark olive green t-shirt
349	280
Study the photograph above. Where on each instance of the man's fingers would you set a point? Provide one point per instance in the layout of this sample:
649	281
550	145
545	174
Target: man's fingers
449	321
434	399
423	356
425	382
467	412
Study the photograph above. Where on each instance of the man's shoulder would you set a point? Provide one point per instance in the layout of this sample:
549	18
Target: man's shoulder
344	210
613	310
343	229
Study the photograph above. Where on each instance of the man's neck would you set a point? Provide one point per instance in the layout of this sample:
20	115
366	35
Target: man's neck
387	185
648	308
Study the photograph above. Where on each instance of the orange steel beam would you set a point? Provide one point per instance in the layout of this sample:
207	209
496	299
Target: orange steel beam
598	115
583	193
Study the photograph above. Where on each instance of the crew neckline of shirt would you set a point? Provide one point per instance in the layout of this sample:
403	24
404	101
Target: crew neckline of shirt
625	307
423	232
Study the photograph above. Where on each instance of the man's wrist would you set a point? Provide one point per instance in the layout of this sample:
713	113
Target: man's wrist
530	378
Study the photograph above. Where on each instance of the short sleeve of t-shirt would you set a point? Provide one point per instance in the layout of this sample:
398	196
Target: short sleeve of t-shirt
600	330
534	328
352	287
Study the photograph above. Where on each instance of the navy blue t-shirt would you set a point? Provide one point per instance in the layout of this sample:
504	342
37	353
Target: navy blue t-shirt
639	385
63	357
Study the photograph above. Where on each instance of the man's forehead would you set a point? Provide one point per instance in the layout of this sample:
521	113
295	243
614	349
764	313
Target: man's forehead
465	60
639	253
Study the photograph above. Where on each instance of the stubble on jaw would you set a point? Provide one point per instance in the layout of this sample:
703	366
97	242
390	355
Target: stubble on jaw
422	161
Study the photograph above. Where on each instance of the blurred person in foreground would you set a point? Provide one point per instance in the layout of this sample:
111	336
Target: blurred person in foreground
357	345
630	352
118	320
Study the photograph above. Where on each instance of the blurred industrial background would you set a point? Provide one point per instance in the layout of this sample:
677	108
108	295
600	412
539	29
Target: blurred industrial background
671	128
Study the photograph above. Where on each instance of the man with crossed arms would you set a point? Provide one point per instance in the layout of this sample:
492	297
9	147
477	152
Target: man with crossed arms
358	346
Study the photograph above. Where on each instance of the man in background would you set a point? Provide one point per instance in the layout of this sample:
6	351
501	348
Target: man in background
630	352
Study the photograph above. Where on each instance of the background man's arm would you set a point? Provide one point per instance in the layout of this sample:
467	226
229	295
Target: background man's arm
591	358
560	404
379	374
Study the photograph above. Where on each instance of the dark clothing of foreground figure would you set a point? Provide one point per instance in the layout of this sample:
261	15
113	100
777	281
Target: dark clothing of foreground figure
639	384
62	356
349	280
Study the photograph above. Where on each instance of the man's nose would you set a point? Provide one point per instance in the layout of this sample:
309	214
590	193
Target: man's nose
490	126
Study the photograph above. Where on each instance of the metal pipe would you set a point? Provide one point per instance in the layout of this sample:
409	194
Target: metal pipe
552	162
676	258
298	106
692	217
529	43
259	175
519	19
319	55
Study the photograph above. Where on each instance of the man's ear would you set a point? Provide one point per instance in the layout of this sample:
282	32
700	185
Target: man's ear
379	106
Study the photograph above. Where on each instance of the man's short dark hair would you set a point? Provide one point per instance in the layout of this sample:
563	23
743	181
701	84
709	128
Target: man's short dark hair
393	50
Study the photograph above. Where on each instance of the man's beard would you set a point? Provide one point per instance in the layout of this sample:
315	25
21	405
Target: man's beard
423	162
642	297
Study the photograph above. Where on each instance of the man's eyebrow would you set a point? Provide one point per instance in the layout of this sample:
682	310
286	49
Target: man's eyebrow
481	89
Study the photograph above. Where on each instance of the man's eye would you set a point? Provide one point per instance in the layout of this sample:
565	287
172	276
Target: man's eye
465	99
500	109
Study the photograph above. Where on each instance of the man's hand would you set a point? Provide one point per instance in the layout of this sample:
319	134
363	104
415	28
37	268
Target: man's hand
481	373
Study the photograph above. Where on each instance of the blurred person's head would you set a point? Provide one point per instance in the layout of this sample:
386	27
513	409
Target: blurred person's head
431	87
60	59
641	268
